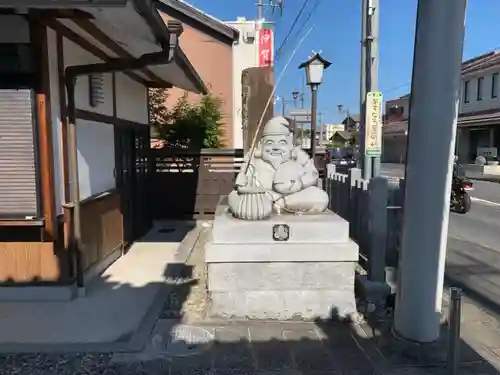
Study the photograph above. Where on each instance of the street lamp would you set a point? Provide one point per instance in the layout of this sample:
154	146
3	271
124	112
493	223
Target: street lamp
314	68
295	96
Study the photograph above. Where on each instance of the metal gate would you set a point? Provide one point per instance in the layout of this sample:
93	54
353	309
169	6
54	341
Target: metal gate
131	159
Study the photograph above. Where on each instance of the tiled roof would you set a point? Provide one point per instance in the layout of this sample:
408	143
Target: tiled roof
200	16
395	127
480	62
477	63
344	134
478	118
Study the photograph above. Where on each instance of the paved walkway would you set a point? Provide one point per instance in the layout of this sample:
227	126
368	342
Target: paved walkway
116	305
185	341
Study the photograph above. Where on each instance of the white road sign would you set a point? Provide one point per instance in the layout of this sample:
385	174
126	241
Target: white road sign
373	134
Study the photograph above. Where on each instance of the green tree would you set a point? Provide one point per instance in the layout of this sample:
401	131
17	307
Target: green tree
335	144
194	126
158	111
303	133
355	138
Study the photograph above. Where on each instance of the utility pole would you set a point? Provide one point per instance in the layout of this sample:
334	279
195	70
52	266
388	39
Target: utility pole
363	161
429	166
260	10
372	60
369	77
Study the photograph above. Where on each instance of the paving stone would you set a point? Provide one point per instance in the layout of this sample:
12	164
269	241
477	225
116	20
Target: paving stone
271	350
232	349
350	359
308	351
232	334
337	334
300	331
202	363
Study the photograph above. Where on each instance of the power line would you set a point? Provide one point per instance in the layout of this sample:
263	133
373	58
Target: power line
308	17
278	52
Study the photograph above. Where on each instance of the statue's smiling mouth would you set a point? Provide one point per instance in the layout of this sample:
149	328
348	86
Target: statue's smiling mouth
276	153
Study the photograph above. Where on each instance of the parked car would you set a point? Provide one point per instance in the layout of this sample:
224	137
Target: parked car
342	156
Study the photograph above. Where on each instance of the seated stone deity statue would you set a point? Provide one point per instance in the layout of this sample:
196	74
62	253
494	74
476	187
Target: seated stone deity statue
284	171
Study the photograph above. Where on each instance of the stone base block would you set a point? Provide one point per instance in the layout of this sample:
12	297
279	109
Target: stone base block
281	276
304	272
281	252
283	305
326	227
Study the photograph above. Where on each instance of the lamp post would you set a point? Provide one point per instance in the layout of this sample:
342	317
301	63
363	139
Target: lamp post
284	103
314	68
295	96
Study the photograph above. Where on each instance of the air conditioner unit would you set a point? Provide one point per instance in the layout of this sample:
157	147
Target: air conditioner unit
249	36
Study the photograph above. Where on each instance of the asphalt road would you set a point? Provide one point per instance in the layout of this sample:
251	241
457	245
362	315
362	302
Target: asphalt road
473	257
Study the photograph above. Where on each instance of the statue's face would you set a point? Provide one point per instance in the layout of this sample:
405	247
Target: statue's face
276	148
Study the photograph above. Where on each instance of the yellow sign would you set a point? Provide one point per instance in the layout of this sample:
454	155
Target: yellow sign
373	124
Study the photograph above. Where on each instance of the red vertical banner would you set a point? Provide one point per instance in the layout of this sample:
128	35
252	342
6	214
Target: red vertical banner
265	47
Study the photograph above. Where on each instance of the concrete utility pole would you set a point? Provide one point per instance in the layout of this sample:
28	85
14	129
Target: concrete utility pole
433	111
369	76
372	61
362	163
260	10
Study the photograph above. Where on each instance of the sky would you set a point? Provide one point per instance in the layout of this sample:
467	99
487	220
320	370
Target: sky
337	32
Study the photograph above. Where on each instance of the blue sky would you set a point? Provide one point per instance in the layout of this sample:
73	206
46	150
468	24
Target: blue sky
336	33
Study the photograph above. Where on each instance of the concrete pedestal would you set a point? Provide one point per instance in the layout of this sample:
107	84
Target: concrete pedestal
287	267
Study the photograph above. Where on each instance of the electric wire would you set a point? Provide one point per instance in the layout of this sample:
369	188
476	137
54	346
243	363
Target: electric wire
304	24
278	51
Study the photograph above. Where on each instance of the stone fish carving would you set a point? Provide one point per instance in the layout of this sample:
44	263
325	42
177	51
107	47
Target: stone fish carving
280	175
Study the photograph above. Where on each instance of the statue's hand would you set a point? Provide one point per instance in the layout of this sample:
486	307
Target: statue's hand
288	187
295	186
309	179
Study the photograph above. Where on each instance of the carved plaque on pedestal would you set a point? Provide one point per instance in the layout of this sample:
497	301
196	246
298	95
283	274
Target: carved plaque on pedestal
281	232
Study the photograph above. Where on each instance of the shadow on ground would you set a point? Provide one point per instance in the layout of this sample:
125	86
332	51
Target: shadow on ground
177	345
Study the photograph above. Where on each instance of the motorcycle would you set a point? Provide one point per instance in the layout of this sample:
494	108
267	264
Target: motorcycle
460	201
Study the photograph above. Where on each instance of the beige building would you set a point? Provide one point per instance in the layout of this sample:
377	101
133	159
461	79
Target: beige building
330	129
479	113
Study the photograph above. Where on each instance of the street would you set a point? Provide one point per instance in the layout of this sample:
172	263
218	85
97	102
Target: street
473	257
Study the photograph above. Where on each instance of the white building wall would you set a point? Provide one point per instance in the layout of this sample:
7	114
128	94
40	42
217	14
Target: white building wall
245	55
96	149
330	129
75	55
96	157
131	99
487	101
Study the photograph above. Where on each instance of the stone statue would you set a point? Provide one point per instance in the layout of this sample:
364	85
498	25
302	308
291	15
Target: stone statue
280	176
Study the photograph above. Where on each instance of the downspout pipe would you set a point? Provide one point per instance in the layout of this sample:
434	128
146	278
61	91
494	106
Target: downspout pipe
72	73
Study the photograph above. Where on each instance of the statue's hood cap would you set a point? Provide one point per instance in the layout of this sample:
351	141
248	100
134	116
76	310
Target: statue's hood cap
277	126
